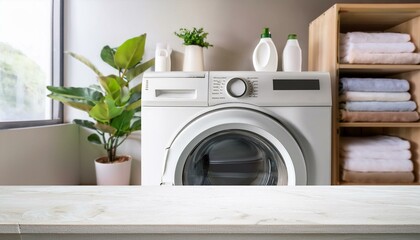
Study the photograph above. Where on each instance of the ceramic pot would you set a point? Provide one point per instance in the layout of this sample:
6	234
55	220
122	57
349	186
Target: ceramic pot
193	59
117	173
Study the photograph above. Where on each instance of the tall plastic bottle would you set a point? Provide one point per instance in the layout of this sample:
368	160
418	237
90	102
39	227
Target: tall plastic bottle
265	56
292	55
162	58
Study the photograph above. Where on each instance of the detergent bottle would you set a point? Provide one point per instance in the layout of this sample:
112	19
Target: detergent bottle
292	55
265	56
163	58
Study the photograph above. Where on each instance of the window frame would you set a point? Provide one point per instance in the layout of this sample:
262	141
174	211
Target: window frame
57	70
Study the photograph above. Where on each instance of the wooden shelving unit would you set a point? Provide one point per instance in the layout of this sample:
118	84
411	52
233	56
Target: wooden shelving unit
323	55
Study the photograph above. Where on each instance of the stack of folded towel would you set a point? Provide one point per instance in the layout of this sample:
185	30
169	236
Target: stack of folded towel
377	48
376	100
376	159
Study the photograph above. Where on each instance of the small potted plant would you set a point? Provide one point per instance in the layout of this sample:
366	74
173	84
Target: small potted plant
113	104
194	41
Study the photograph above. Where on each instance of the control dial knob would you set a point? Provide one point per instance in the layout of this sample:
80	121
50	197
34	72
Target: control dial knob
237	87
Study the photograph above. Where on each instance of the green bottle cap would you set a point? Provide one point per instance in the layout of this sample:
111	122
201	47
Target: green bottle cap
266	33
292	36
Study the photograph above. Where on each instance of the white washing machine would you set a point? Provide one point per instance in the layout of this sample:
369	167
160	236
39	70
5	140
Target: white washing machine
236	128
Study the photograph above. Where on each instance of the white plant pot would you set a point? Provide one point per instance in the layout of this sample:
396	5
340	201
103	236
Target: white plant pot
117	173
193	59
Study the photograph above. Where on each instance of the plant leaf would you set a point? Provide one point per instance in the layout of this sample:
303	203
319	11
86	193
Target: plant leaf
76	103
94	138
96	87
122	123
110	85
86	62
105	128
105	111
130	52
134	105
107	55
125	95
87	94
136	125
133	73
136	88
85	123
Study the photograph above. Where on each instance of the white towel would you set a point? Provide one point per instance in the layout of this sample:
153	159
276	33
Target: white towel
381	58
406	47
374	96
374	84
375	37
406	106
375	165
374	143
385	155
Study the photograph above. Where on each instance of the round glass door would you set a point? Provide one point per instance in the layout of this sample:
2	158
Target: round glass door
234	157
233	146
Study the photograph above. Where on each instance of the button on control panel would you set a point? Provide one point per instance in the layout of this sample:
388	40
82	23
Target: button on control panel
237	87
233	87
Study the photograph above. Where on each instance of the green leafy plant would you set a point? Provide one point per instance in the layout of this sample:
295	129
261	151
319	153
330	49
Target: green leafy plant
113	104
193	37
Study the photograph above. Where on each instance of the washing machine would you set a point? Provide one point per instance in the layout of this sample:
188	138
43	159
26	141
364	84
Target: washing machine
236	128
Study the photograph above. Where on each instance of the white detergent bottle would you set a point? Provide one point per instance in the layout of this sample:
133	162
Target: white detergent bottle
265	56
162	58
292	55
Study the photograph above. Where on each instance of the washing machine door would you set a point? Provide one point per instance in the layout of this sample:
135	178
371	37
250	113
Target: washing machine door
234	146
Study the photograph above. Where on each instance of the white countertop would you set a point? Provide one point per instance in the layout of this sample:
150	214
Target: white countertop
186	210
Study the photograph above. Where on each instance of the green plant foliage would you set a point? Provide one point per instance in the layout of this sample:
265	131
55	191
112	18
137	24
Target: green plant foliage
130	53
193	37
112	103
107	55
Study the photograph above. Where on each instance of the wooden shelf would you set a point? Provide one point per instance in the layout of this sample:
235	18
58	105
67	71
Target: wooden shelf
380	124
376	69
374	17
323	55
371	184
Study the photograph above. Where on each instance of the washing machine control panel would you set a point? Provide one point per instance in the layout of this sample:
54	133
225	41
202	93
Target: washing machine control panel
270	88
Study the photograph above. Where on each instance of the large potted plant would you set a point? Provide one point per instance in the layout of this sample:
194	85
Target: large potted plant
113	104
194	41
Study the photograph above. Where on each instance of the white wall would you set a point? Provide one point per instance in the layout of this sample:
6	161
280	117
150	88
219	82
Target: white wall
234	28
42	155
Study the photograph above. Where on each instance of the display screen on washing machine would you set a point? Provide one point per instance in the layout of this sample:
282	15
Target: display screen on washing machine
296	84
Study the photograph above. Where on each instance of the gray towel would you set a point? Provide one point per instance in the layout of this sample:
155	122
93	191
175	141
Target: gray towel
406	106
374	85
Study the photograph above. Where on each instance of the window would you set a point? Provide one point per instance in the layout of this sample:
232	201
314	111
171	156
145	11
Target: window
30	59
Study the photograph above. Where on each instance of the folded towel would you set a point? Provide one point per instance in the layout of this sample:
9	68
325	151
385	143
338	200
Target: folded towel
381	58
377	165
377	177
374	96
374	143
347	116
385	155
374	37
374	85
406	106
406	47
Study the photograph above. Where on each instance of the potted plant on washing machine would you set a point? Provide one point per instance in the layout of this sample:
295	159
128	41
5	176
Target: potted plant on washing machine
194	41
113	104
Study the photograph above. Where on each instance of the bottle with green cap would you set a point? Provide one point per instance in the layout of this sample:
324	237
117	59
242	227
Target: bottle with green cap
292	55
265	56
